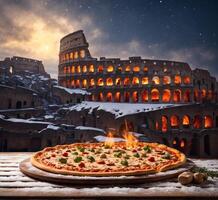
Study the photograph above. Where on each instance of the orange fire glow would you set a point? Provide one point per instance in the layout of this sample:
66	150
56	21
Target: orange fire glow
110	140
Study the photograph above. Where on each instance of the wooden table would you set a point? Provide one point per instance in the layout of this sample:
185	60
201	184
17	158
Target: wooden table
15	184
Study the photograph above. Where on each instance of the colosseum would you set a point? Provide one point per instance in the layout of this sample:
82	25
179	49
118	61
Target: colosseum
185	116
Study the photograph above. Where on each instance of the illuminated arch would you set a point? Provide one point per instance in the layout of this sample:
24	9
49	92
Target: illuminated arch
92	82
71	56
135	97
145	69
67	56
126	81
119	69
76	55
109	97
118	81
72	83
109	81
208	121
100	82
203	94
144	80
100	68
164	122
145	96
136	69
166	95
197	122
91	68
84	83
177	96
135	81
183	144
174	121
196	95
166	80
78	69
177	79
187	95
84	69
77	83
117	97
82	53
65	70
155	95
126	96
128	68
73	69
186	121
100	96
186	80
110	68
156	80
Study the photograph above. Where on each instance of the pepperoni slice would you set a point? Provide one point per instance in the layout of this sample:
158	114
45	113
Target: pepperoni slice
65	154
81	165
151	159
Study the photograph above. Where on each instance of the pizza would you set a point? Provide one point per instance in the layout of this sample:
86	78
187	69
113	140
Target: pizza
98	159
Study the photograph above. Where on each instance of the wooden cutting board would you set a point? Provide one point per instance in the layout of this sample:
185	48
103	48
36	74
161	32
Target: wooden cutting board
28	169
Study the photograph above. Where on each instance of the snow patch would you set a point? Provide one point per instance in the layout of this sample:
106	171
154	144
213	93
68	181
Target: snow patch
73	91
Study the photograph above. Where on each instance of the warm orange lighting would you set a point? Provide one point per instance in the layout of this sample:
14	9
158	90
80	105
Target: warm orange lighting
197	121
208	121
77	83
100	68
186	120
210	95
76	55
156	125
135	81
72	69
145	96
118	81
187	96
182	144
156	80
109	97
109	142
84	69
196	95
119	69
109	81
91	68
136	68
117	97
166	80
82	54
186	80
100	96
92	82
145	69
130	139
67	56
155	95
126	81
135	96
100	82
126	96
78	69
174	142
164	123
174	121
72	83
110	68
177	79
71	55
128	68
84	83
144	80
166	95
177	96
203	93
65	70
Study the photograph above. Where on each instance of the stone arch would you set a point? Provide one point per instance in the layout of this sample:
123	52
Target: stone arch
175	143
126	96
117	97
186	121
156	80
155	96
126	81
177	96
208	121
100	69
144	96
135	97
166	95
197	122
177	79
166	80
164	122
110	68
174	121
109	81
187	95
100	96
19	104
100	82
118	81
109	97
135	80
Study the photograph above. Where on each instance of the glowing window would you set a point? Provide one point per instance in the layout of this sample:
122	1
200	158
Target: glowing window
135	81
119	69
186	121
82	54
109	82
136	69
187	96
100	68
197	121
145	96
126	96
72	83
78	69
126	82
182	143
77	83
76	54
203	94
100	96
117	97
166	95
196	95
100	82
84	83
68	70
145	69
91	68
156	125
144	80
174	121
164	123
177	96
118	81
65	70
73	69
67	56
92	82
128	68
135	96
208	121
156	80
84	69
166	80
109	97
186	80
110	68
155	95
71	55
177	79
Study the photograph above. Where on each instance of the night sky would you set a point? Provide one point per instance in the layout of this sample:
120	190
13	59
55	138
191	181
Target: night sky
181	30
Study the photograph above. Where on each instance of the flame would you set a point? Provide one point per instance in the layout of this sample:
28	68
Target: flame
131	140
110	140
182	144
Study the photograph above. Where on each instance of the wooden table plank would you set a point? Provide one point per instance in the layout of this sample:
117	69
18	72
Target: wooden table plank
15	184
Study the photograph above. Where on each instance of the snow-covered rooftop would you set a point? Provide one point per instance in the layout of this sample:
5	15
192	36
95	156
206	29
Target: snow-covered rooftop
73	91
120	109
89	128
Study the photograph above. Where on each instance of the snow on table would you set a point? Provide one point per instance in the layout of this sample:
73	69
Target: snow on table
13	183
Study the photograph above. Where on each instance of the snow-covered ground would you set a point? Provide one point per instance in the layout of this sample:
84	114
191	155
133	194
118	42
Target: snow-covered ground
73	91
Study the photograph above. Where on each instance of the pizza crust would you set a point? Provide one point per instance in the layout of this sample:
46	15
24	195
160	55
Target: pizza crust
37	163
